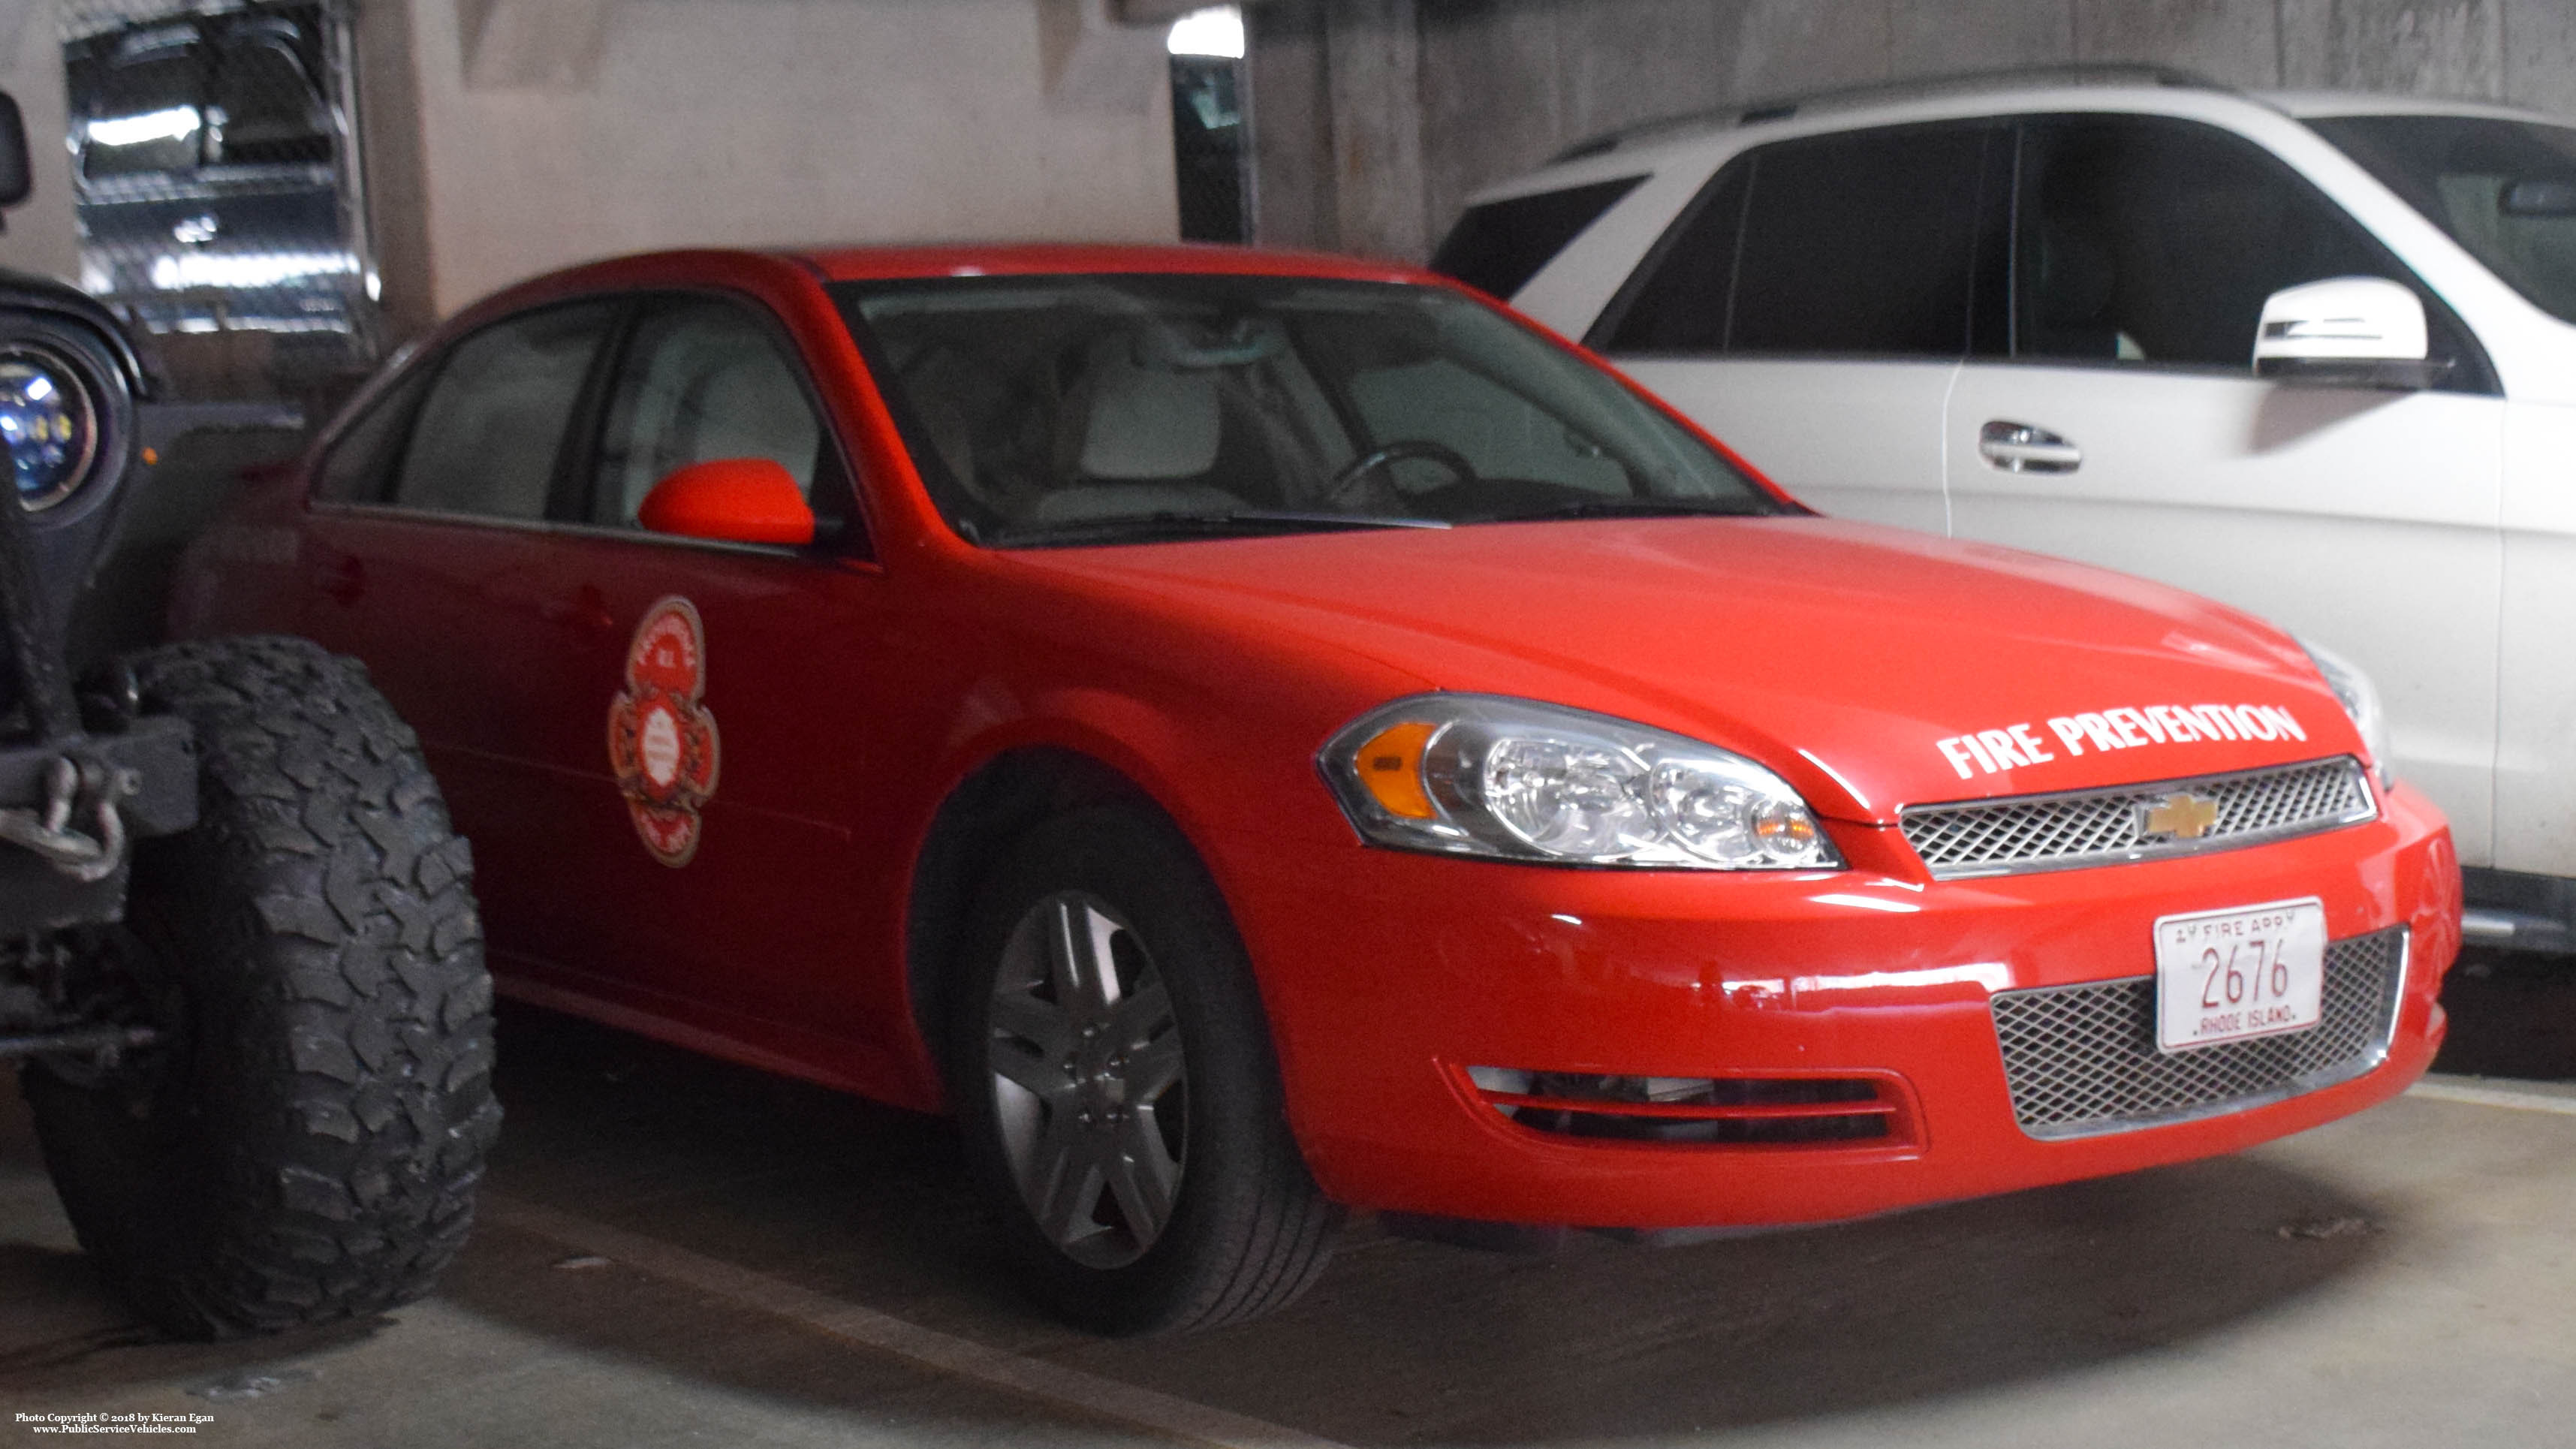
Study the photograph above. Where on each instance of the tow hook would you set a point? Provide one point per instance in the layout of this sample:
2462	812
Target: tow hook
77	793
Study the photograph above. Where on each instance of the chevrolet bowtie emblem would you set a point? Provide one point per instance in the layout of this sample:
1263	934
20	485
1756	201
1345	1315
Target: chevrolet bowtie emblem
2180	816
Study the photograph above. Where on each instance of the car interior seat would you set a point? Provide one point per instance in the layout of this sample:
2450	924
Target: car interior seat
2071	302
1137	436
712	392
747	406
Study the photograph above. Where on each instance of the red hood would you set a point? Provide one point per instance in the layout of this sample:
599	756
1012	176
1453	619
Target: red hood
1842	655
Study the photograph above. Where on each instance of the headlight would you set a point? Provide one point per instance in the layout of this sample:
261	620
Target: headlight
48	426
2360	700
1469	774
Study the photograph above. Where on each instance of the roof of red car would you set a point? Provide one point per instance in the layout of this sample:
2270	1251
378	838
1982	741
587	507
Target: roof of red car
966	259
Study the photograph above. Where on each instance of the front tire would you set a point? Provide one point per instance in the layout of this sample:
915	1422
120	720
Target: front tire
304	1143
1112	1068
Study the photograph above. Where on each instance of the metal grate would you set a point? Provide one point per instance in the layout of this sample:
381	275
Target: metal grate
215	176
2082	1060
2108	827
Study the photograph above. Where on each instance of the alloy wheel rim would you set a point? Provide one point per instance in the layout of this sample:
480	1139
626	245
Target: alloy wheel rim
1090	1088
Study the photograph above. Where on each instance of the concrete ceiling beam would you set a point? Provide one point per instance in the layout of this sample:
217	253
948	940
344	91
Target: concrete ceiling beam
1164	12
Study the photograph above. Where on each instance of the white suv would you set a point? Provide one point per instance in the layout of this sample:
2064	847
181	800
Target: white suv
2026	308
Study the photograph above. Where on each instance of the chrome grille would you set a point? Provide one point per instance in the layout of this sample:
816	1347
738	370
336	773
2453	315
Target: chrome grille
2108	827
2082	1060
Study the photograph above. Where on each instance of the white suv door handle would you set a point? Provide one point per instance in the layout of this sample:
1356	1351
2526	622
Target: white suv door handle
2021	448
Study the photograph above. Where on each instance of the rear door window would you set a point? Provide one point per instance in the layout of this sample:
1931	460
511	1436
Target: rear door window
1861	244
361	459
491	431
1679	301
1857	245
1499	246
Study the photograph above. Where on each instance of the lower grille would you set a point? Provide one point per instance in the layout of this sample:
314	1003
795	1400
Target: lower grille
2082	1060
1729	1111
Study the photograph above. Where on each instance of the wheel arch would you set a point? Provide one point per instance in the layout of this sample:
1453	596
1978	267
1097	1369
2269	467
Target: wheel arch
1002	797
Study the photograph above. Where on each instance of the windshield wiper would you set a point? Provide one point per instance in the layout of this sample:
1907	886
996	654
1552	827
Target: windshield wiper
1324	520
1629	508
1246	522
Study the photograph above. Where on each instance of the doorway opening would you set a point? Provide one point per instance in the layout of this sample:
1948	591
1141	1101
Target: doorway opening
1209	155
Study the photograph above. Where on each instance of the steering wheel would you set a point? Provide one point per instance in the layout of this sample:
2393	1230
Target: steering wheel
1348	491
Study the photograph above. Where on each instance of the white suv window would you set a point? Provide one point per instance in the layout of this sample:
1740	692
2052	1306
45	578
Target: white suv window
1857	245
2149	240
2505	190
1500	245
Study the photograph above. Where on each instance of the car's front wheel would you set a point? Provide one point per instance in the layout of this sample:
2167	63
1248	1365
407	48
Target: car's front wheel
1113	1071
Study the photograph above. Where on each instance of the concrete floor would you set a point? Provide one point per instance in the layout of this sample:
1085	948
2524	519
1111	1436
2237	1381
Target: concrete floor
787	1267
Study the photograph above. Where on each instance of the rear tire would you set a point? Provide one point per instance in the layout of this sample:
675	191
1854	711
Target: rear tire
304	1144
1131	1137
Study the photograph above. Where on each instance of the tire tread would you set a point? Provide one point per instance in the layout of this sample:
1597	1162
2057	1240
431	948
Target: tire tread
342	1014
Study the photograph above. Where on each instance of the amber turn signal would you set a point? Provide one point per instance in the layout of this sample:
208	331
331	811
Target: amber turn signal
1390	765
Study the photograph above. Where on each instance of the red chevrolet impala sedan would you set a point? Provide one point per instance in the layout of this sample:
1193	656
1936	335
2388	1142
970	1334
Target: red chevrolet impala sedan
1254	734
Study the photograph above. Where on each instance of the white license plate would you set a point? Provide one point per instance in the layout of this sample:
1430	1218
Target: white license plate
2228	975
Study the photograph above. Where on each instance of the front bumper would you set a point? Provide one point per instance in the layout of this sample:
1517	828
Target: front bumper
158	756
1388	975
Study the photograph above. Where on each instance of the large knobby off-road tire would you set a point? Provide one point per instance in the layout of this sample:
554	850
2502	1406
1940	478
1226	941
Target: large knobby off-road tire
1112	1068
304	1144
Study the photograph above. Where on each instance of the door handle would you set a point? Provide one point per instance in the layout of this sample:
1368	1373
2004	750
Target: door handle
586	612
344	580
2021	448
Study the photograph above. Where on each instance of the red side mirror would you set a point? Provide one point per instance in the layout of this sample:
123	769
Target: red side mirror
734	500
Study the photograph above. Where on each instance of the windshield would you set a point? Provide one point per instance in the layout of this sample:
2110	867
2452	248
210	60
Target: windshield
2505	190
1088	409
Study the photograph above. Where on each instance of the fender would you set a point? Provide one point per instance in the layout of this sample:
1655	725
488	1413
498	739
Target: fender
1169	765
43	294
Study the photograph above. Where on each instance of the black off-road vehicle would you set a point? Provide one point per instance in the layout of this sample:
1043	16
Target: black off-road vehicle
240	966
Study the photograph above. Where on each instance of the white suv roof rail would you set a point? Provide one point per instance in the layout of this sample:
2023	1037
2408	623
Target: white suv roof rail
2103	73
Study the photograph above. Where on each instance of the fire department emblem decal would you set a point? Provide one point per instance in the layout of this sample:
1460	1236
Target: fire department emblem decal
661	740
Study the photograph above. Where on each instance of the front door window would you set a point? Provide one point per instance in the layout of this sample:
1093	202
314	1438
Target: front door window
704	379
2147	241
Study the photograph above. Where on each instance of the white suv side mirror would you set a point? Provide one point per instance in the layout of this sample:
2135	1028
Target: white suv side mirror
2346	332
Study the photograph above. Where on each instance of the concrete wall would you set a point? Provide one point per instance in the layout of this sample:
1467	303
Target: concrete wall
1375	119
507	137
782	122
